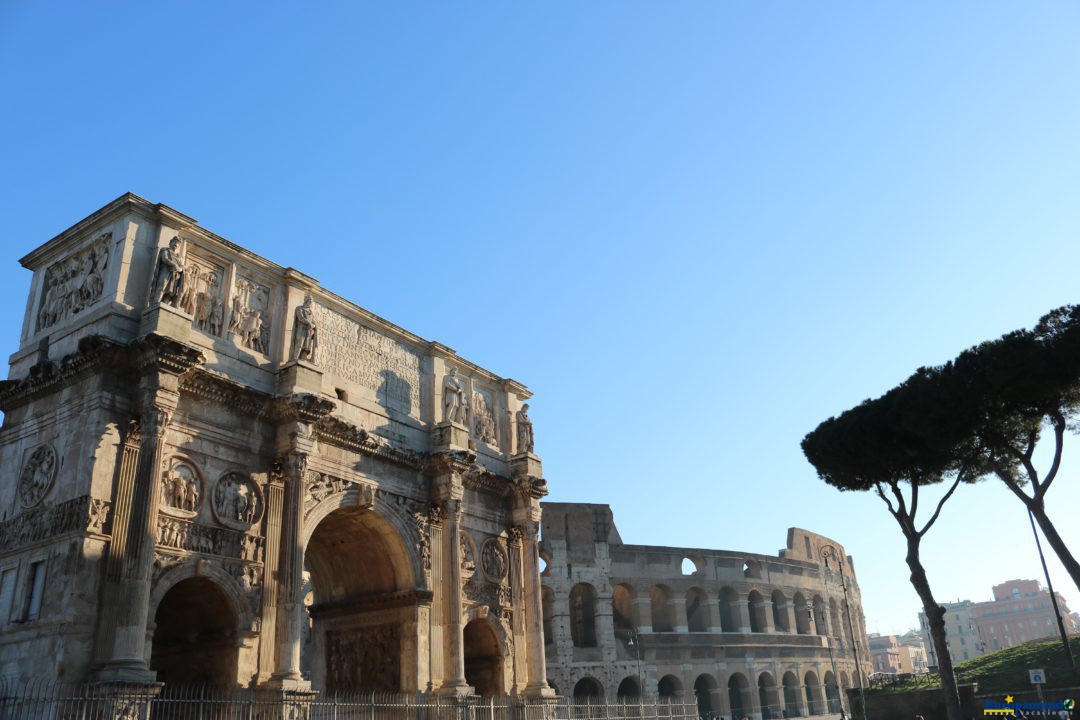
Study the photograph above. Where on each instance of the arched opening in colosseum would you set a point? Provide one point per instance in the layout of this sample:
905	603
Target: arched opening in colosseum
547	600
768	696
832	692
738	695
814	701
729	610
803	614
195	635
792	703
780	611
629	687
755	603
588	689
663	609
483	658
360	574
623	616
669	687
704	687
820	626
697	610
583	615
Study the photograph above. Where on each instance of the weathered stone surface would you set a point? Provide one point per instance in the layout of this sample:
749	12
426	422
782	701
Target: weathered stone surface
223	473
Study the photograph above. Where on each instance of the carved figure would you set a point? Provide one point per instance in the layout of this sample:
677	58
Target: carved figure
37	476
305	332
251	330
453	397
484	419
236	500
191	495
191	281
493	560
169	274
217	317
525	441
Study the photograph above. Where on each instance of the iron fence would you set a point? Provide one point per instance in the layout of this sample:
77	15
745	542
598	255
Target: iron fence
43	700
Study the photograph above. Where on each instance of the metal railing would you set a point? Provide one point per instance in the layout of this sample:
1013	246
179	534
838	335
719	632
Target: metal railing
43	700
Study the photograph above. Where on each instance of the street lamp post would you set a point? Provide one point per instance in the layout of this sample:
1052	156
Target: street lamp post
829	553
634	641
825	554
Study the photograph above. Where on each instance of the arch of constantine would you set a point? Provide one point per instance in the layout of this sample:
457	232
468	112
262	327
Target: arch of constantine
222	473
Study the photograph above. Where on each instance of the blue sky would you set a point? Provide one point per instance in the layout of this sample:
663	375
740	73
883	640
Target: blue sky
694	230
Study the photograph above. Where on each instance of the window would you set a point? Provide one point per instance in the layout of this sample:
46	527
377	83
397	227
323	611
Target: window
35	590
7	594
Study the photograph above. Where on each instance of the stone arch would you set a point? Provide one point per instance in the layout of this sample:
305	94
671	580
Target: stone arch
484	652
814	700
755	604
589	689
363	570
583	615
781	617
629	687
663	609
832	692
547	605
738	695
247	620
802	614
669	687
729	610
623	613
697	610
792	701
704	687
768	696
195	639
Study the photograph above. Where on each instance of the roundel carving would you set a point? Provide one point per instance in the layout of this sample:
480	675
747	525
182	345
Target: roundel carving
493	560
181	488
38	476
237	501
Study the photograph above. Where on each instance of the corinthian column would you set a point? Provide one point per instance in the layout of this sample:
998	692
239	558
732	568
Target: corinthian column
530	487
449	490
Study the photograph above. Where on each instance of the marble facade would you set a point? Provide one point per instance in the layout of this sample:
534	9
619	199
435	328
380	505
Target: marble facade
221	472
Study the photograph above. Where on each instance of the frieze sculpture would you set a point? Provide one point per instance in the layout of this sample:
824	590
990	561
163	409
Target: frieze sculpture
37	476
454	403
249	315
305	332
73	284
321	486
44	522
484	419
181	488
168	287
525	441
359	656
468	562
423	544
237	501
493	560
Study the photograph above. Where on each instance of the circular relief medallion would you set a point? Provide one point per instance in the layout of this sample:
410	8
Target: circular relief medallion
237	501
37	476
493	560
181	489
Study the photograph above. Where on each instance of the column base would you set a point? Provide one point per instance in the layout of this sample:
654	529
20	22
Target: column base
455	690
289	684
125	672
539	691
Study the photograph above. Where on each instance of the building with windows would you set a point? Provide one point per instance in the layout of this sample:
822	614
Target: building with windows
1021	611
885	654
748	634
220	472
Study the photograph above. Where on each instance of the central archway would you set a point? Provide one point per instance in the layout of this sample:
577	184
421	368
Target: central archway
362	615
195	635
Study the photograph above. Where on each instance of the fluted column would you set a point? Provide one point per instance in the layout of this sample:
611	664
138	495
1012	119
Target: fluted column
290	576
534	608
455	630
518	594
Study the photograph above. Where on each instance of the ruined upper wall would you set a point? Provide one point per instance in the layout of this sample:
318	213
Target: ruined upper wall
106	275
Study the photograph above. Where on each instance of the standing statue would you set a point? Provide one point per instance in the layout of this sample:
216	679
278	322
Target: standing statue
453	397
169	274
524	430
305	332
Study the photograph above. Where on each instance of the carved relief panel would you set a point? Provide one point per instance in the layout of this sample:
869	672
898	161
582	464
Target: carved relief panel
357	658
38	475
74	283
468	555
181	488
202	294
493	560
237	501
483	417
250	314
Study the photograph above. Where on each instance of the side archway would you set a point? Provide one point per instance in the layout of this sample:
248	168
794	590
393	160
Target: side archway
195	639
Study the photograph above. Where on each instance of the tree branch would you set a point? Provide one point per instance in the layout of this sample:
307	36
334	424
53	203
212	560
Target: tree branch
941	502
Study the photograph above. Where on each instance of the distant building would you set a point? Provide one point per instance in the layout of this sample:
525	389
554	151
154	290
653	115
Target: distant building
913	653
1021	611
884	653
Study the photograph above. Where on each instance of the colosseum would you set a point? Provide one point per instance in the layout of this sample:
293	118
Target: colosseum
764	636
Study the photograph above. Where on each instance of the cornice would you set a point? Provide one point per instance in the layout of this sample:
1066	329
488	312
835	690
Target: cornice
301	407
343	434
213	388
94	352
163	353
402	598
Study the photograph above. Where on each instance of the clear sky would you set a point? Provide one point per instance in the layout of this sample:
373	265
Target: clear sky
694	229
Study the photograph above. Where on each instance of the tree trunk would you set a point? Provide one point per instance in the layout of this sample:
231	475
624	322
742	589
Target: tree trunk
936	619
1054	539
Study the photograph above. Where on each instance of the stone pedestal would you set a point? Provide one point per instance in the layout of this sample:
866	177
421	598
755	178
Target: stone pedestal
525	465
450	436
167	321
299	376
126	700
